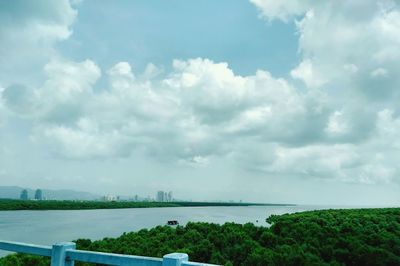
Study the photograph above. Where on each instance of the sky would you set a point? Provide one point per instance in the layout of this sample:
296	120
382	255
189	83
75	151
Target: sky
283	101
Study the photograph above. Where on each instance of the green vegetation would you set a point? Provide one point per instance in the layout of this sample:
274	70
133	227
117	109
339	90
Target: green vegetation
329	237
9	204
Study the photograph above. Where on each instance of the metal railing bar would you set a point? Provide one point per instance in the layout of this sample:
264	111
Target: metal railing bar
111	258
26	248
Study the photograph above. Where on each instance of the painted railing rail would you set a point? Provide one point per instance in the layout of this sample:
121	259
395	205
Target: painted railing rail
65	254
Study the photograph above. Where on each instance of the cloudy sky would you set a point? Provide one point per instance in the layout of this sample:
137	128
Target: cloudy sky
261	100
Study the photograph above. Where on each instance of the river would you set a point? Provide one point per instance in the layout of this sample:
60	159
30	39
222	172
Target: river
48	227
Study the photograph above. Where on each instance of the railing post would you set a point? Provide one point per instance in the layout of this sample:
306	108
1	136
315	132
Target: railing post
58	254
174	259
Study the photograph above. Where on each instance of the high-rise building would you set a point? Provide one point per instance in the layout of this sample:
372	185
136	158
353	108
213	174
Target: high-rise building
160	196
165	196
24	194
38	194
170	198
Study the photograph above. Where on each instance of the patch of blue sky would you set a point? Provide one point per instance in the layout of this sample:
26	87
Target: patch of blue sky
144	31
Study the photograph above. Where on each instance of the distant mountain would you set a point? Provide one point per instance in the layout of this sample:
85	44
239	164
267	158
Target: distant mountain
14	192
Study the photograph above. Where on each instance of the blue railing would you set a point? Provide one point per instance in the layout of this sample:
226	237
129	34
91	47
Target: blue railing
64	254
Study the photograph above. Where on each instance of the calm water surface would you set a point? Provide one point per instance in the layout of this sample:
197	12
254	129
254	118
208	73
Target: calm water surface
48	227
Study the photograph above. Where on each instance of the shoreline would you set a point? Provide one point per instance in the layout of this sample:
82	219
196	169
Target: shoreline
19	205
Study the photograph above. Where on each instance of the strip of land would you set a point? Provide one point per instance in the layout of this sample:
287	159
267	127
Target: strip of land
10	204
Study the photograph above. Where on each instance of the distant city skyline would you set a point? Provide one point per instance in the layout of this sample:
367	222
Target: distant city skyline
262	101
163	196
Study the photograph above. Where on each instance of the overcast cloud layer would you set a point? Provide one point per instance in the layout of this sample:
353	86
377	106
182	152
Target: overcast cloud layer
330	125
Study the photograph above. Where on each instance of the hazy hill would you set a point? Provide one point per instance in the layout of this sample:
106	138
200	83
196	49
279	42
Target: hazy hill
13	192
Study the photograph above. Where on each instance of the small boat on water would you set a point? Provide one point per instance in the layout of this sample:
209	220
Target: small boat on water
173	222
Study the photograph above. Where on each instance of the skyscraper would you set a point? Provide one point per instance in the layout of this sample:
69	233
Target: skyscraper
160	196
38	194
24	194
170	198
